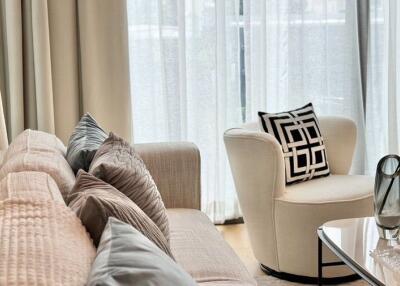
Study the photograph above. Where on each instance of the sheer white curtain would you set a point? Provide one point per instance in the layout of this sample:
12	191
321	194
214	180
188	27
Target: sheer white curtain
383	92
300	51
185	82
187	61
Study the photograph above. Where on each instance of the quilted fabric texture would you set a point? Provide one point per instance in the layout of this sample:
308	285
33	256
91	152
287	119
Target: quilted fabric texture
34	141
30	185
94	201
42	243
84	142
126	257
117	163
53	164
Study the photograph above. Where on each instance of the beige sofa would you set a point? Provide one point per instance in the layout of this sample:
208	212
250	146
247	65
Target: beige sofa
196	243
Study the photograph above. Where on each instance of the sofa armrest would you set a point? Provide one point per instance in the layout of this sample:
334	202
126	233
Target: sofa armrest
175	168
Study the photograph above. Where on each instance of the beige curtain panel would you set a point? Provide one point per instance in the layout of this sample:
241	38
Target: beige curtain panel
60	59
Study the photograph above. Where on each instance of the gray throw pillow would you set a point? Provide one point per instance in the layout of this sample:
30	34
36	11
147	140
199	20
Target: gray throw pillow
126	257
84	142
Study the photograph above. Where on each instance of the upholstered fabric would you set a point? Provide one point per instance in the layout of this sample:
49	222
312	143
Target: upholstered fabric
335	188
53	164
258	169
298	132
84	142
282	220
50	246
127	257
175	168
117	163
30	185
94	201
340	135
333	197
201	250
35	141
296	224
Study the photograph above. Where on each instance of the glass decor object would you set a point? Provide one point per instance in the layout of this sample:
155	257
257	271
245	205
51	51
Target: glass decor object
387	197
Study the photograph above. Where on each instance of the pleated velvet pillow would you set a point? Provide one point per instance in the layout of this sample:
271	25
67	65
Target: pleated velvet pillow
84	142
117	163
94	201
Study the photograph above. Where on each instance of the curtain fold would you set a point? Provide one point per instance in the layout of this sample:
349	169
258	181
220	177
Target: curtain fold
363	23
185	75
383	92
304	51
60	59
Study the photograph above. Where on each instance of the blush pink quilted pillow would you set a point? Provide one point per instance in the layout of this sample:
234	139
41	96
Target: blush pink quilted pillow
42	243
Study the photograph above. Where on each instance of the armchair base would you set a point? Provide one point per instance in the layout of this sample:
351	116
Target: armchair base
306	279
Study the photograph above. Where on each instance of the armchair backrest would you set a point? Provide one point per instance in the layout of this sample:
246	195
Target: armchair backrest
340	136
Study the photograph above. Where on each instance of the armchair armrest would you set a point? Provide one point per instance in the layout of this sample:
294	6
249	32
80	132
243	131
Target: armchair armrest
257	165
175	168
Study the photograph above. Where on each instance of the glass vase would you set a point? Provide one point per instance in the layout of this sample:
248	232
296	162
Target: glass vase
387	197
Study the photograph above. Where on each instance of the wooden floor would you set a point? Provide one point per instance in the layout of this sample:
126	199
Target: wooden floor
236	235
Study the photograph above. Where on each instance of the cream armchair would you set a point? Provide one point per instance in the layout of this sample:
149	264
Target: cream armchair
282	220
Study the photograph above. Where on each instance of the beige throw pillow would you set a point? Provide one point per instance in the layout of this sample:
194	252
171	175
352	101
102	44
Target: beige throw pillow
29	185
94	201
42	243
117	163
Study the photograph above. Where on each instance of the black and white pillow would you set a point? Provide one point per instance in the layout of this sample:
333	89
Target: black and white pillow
303	147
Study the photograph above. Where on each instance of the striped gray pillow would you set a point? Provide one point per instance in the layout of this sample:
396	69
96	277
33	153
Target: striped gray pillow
84	142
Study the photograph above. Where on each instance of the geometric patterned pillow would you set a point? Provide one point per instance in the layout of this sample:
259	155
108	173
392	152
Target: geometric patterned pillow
303	147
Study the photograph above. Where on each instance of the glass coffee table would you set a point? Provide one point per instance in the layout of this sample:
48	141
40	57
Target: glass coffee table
356	242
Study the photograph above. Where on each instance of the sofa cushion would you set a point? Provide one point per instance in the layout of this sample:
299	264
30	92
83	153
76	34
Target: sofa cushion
335	188
29	185
34	141
94	201
303	147
53	164
118	164
201	250
84	142
51	247
127	257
